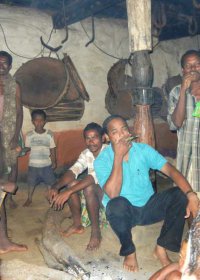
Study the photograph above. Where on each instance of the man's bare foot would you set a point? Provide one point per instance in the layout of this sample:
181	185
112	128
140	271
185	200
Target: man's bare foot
27	203
95	240
161	254
13	247
73	230
130	263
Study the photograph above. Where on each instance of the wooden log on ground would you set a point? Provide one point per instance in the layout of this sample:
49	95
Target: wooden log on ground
18	270
56	251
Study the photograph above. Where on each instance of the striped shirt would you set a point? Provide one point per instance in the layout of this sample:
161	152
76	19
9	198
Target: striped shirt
188	150
40	145
85	161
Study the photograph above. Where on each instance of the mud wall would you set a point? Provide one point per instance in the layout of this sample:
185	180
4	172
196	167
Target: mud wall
22	30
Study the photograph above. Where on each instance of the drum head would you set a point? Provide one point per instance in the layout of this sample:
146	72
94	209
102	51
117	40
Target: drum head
43	81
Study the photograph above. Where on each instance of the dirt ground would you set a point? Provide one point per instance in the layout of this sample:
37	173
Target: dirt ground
25	226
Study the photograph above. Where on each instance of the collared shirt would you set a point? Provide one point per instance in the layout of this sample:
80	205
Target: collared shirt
188	137
85	161
136	184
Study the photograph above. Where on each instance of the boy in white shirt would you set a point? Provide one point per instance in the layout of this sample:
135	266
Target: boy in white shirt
42	159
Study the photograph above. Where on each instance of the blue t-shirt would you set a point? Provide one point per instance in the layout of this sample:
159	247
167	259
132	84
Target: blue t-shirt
136	185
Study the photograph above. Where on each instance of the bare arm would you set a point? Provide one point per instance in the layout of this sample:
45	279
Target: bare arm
178	115
177	177
114	183
19	119
183	184
53	157
67	178
59	200
81	185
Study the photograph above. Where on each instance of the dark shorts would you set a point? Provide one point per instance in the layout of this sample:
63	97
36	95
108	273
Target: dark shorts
41	175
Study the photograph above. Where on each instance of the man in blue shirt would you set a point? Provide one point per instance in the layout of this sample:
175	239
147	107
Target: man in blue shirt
122	170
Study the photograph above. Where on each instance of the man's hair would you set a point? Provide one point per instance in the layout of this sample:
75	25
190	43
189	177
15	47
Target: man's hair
109	119
7	55
38	112
187	53
93	126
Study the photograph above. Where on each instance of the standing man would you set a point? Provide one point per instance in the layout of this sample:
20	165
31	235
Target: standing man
11	118
181	105
122	170
93	135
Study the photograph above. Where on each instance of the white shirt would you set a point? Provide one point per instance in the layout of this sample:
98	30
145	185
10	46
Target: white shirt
85	161
40	145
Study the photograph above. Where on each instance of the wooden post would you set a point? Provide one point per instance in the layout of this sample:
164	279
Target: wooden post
140	43
139	25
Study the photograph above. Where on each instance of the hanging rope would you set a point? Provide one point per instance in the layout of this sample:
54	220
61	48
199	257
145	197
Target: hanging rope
156	32
56	49
159	15
192	23
193	26
93	33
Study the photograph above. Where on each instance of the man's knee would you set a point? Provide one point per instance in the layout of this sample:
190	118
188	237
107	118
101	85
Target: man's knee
117	206
89	191
178	196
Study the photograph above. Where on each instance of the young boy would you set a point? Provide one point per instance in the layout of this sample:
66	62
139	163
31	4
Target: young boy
42	159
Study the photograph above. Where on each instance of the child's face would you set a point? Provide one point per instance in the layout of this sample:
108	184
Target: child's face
38	122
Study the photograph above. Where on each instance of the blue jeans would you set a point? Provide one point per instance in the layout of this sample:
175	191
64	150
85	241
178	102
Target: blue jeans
169	205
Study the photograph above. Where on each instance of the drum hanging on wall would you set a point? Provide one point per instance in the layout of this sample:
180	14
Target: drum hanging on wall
54	86
120	95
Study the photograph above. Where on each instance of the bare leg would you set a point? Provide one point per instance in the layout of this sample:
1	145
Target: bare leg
75	207
6	245
161	254
12	178
130	263
8	187
173	269
175	275
93	195
30	195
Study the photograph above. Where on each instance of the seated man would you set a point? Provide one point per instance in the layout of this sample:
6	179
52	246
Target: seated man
93	135
122	170
6	245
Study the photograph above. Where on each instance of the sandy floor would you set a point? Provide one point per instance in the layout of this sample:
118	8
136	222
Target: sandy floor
25	225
